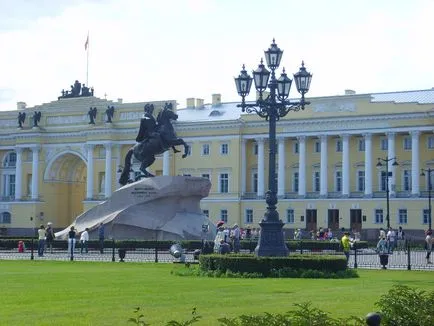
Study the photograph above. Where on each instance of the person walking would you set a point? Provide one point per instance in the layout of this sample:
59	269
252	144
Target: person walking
428	246
401	240
218	237
383	252
84	239
346	245
49	235
236	236
391	237
71	242
41	240
101	237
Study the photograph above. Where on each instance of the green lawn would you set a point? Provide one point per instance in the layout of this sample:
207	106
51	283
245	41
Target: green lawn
91	293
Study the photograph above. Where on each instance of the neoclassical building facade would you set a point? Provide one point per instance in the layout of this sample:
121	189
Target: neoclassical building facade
327	157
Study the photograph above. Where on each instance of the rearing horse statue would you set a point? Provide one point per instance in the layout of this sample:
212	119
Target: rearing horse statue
154	137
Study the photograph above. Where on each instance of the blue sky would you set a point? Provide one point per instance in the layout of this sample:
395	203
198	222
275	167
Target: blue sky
144	50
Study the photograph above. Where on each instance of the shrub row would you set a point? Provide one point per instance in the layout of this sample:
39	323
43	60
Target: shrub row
265	265
11	243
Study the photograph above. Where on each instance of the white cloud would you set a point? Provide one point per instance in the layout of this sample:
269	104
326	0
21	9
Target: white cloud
156	50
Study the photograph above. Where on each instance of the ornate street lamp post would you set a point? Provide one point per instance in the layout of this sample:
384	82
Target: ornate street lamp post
388	175
428	172
273	107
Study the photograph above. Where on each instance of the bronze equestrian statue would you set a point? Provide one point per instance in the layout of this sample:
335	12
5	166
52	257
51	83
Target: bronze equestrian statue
154	137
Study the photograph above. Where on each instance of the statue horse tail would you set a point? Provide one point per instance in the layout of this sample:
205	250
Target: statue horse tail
125	175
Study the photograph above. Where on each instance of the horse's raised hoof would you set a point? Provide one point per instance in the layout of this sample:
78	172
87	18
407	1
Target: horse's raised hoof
184	155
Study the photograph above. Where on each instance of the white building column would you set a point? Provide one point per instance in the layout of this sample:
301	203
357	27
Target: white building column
301	166
391	154
35	172
243	167
19	174
166	163
345	165
415	163
368	165
89	178
323	169
281	168
261	168
118	152
108	170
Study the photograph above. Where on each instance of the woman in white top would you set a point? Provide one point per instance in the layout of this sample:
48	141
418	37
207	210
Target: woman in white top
428	246
84	239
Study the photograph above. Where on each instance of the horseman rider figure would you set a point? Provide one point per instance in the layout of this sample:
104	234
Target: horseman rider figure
154	137
149	127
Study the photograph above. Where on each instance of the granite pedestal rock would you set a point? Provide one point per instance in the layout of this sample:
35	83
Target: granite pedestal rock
164	207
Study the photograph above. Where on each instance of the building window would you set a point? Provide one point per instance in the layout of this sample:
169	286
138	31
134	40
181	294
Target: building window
205	175
407	180
101	182
224	215
10	160
205	212
430	142
383	144
338	181
9	185
255	149
5	218
224	183
205	149
383	181
255	182
425	216
296	147
224	149
407	143
295	181
101	152
361	145
249	216
189	149
378	216
290	216
402	216
338	145
360	180
316	181
317	147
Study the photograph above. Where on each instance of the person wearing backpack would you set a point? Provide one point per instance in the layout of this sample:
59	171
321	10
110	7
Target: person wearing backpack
49	237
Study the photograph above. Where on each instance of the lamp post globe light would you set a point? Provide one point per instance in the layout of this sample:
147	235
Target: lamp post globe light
273	107
388	175
428	173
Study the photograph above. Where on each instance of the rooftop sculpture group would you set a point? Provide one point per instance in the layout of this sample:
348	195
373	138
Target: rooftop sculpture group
77	90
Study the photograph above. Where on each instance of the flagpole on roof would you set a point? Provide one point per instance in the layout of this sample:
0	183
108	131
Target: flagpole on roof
86	47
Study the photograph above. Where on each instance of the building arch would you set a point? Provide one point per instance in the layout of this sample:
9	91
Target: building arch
55	169
65	179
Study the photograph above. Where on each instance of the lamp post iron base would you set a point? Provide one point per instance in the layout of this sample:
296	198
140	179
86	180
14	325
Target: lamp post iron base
271	241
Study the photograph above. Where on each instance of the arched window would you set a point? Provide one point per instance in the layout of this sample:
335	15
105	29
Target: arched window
5	218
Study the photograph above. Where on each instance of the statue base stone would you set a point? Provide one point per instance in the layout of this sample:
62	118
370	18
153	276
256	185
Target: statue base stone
162	208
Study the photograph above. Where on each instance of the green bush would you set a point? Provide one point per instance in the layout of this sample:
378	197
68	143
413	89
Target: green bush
405	306
265	265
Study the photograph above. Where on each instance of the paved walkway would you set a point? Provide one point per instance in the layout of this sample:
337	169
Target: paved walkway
366	259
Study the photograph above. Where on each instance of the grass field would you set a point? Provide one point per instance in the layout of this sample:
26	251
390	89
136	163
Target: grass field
91	293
